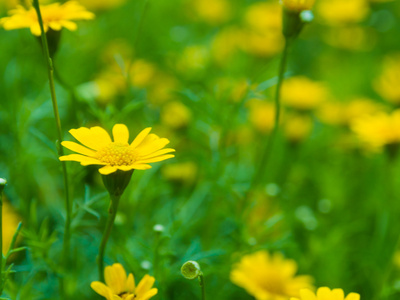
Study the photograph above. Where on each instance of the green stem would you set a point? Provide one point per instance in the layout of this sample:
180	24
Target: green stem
203	289
50	71
1	242
270	143
112	212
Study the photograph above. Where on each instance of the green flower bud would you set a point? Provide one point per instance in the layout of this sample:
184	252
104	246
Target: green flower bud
191	269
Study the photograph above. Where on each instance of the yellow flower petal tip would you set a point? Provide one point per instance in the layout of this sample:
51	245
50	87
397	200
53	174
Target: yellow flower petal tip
118	283
55	17
269	276
97	148
325	293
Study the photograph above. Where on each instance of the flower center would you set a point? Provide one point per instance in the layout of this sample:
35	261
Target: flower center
117	154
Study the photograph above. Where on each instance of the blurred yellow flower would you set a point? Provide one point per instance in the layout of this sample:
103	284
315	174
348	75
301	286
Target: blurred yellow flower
193	58
118	155
262	35
142	73
175	115
108	86
269	276
225	44
325	293
339	12
180	172
10	223
55	16
162	88
298	5
101	4
388	83
297	127
303	93
119	286
350	37
262	115
378	130
213	12
343	113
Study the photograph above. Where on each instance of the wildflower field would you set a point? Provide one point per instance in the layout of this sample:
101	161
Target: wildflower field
200	149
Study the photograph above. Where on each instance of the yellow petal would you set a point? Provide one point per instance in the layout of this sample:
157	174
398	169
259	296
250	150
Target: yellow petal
155	159
353	296
120	133
324	293
144	285
101	289
152	147
125	168
130	283
107	170
78	148
140	137
94	138
139	166
337	294
150	294
307	295
35	29
158	153
115	278
84	160
149	139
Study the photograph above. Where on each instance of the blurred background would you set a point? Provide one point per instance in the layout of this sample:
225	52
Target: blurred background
203	73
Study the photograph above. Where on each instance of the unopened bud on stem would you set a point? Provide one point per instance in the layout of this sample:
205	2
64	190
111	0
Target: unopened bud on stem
191	269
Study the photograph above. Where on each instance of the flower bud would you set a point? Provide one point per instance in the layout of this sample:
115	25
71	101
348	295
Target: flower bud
158	228
191	269
3	183
117	182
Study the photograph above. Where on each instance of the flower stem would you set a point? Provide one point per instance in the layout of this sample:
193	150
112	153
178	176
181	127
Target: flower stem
112	212
270	143
1	241
203	289
50	71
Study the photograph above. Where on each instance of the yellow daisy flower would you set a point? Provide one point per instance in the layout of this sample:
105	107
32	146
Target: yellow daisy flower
298	5
269	277
378	130
119	286
55	16
118	154
325	293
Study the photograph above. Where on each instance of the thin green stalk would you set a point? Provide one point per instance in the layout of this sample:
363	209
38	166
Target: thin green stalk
270	143
1	241
203	289
50	71
112	212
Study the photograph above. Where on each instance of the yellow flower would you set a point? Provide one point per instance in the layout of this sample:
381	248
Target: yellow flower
387	84
325	293
142	73
263	33
118	155
181	172
175	115
298	5
297	127
55	16
119	286
212	11
303	93
262	115
379	130
339	12
10	224
269	277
